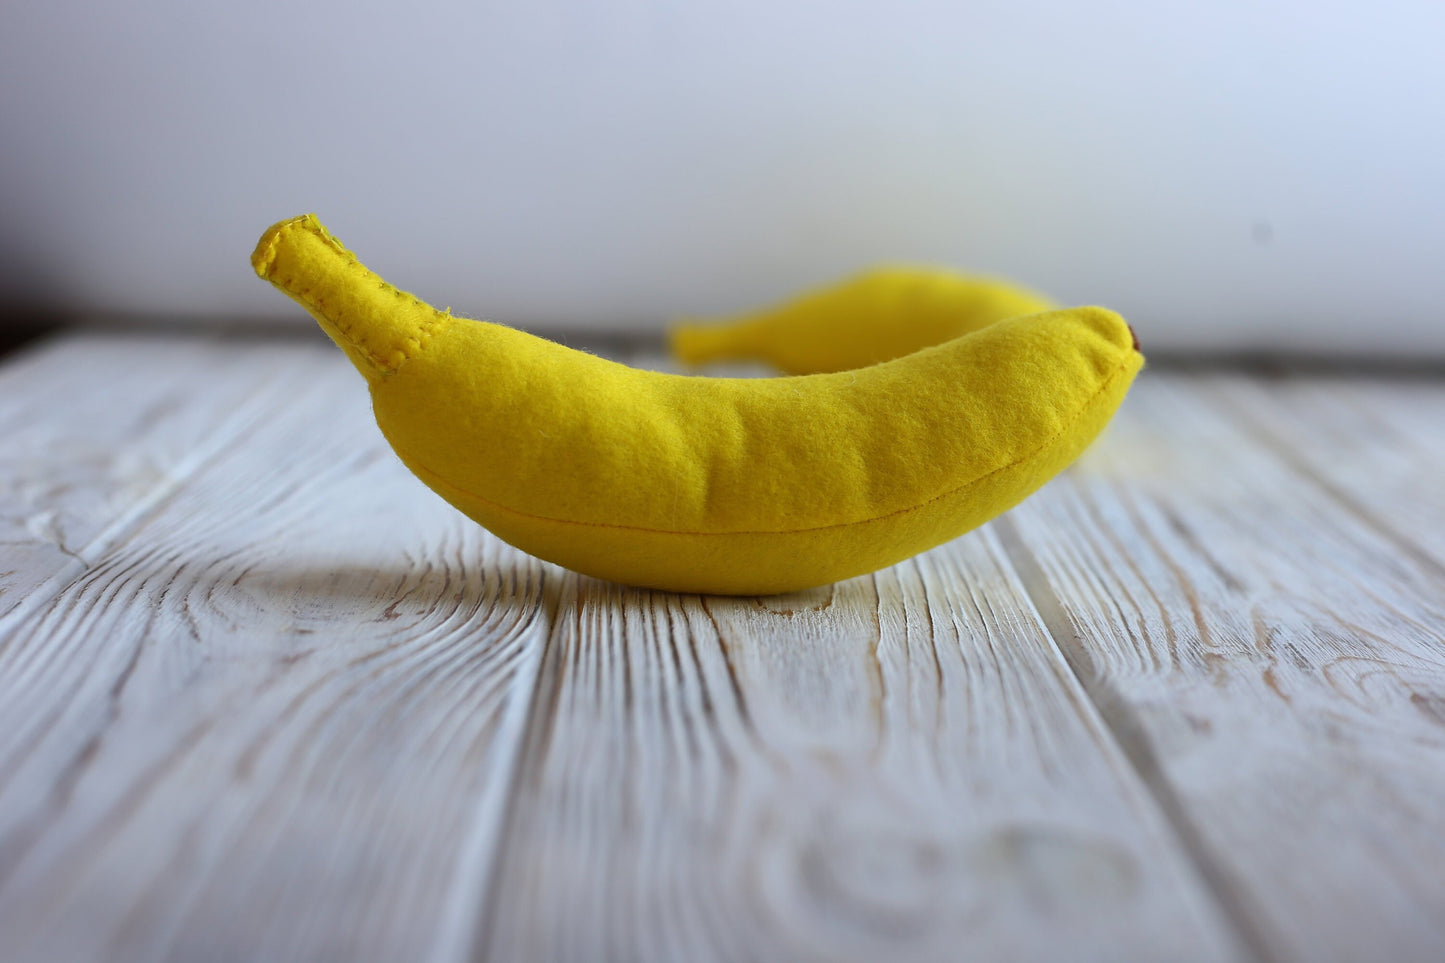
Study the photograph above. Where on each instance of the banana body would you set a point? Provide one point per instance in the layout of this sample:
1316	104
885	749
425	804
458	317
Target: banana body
876	316
719	485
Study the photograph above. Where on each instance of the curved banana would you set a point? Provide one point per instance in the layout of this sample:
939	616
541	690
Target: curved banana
879	315
722	485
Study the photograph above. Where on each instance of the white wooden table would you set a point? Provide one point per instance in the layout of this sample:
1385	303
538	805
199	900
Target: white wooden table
265	697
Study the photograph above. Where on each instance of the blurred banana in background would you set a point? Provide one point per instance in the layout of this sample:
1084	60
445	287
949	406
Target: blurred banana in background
879	315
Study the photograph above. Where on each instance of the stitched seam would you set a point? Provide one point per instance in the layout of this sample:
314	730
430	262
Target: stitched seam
1083	410
410	347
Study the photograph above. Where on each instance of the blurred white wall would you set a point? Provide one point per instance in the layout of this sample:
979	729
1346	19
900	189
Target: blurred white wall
1231	174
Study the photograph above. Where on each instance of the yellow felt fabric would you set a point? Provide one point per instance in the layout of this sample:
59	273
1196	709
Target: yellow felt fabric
719	485
879	315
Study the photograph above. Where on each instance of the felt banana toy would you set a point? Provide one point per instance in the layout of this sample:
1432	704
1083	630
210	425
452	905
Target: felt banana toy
722	485
882	314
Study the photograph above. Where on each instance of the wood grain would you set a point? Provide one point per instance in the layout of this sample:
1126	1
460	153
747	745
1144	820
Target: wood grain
278	720
898	767
262	696
1273	664
1376	443
99	429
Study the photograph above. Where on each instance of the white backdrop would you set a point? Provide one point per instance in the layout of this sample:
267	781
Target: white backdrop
1231	174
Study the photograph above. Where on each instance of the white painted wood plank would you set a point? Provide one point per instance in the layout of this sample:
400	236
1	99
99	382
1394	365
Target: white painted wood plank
278	721
897	768
99	428
280	713
1376	442
1273	664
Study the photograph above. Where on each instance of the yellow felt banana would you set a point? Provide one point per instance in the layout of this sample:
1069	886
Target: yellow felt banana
879	315
721	485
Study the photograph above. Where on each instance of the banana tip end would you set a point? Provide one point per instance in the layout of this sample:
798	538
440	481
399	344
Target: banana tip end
263	258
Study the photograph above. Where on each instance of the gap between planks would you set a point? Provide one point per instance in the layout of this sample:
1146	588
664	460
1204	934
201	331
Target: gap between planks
1249	567
1131	739
564	690
1270	423
1114	710
127	703
531	720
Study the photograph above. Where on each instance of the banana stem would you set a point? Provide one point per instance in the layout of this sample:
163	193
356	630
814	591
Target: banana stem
379	327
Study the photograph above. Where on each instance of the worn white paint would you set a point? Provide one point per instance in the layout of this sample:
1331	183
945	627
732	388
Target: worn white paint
99	429
1377	443
896	767
1185	703
1273	663
277	719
